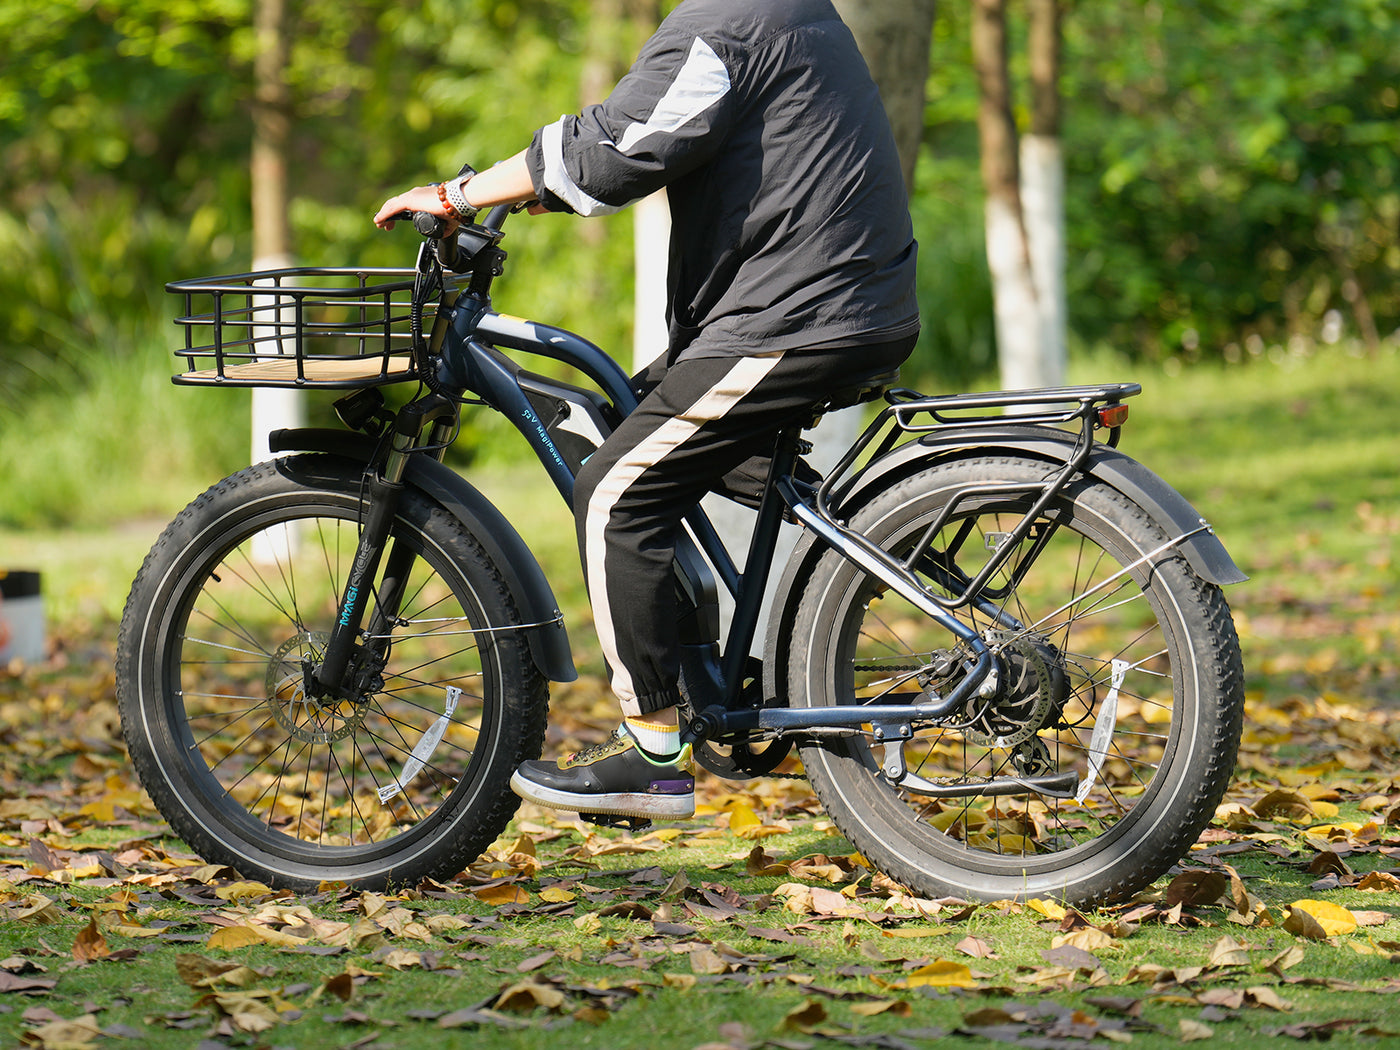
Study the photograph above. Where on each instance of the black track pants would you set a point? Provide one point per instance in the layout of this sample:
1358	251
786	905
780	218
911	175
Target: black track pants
704	424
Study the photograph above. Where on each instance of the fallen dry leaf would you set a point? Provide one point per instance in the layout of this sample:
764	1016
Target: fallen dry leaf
1086	938
975	947
248	1011
897	1007
1049	909
199	971
1227	952
1317	920
242	891
1282	804
941	973
500	895
528	996
1379	882
231	938
79	1033
1263	995
1194	888
90	945
805	1017
1189	1031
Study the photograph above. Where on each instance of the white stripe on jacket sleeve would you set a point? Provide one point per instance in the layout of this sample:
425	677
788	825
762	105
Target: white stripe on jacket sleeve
701	82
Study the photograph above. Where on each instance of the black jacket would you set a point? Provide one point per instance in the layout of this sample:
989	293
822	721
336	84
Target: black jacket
790	221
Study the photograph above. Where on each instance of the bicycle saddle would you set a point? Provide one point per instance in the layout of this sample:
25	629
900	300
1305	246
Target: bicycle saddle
868	388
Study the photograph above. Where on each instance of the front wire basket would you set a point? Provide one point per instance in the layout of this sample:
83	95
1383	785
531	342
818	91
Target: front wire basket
301	327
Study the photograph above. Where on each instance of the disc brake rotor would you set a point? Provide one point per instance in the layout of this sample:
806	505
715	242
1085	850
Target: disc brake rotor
316	720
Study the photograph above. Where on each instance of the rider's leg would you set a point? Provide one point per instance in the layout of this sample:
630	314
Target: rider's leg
704	421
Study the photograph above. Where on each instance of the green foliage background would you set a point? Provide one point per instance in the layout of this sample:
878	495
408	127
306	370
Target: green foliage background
1233	182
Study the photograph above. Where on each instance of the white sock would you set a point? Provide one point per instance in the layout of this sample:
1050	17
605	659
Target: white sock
662	741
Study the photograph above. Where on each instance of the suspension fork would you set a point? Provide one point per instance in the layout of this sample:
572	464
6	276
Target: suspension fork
384	489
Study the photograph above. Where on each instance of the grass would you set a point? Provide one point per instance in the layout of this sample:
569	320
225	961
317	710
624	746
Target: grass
674	971
127	443
629	942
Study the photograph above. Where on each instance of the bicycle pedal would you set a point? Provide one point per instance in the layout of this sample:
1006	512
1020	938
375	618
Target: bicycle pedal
611	820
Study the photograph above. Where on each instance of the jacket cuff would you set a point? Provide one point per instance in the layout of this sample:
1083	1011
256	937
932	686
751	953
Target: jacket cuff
534	159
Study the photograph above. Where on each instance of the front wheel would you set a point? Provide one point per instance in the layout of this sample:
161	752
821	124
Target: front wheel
1118	678
404	778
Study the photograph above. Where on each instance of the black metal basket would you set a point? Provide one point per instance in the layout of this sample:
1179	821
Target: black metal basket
301	327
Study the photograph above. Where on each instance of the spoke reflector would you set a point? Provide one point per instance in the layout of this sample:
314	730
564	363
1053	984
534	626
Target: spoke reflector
1104	725
425	747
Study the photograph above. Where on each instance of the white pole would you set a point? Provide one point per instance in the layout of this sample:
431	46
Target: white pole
274	408
651	238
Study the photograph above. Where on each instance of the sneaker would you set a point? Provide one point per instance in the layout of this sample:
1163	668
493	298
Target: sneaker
615	777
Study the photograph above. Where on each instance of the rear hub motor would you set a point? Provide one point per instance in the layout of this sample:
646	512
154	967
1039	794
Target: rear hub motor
1029	694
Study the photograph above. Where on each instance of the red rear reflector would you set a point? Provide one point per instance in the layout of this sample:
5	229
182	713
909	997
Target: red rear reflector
1112	415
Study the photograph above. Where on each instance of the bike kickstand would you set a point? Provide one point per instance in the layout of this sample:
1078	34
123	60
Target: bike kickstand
893	735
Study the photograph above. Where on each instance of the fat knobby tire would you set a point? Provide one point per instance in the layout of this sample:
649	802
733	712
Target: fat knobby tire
1146	832
427	835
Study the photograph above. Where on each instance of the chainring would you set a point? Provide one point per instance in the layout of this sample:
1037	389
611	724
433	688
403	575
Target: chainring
737	760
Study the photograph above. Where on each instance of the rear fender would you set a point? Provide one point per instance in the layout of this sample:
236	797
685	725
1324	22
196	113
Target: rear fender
549	642
1203	550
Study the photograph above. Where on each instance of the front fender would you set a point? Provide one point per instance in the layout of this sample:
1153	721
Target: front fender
1203	551
549	643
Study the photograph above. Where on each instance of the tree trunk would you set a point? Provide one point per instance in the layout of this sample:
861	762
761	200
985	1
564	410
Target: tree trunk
616	30
1008	252
1043	187
895	39
272	131
273	408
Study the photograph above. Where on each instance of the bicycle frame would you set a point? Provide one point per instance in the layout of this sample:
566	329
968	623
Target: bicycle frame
359	708
469	365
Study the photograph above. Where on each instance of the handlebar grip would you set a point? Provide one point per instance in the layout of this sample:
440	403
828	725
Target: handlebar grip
428	225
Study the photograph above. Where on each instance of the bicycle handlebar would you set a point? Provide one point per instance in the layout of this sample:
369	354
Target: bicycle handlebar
426	223
434	226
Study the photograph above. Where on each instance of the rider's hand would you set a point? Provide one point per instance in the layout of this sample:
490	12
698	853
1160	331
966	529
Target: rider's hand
420	198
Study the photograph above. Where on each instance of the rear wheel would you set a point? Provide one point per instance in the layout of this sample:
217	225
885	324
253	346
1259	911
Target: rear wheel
1118	672
406	778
